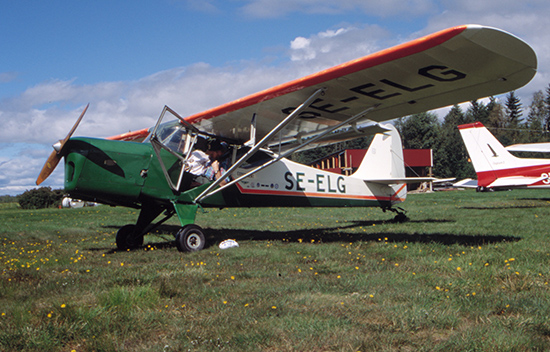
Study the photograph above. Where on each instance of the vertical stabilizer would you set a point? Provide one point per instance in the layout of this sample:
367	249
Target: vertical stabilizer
384	158
486	152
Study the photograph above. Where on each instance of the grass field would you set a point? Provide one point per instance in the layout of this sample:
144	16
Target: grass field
469	272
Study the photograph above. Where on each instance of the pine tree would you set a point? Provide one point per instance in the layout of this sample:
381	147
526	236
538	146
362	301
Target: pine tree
477	112
513	116
452	158
536	117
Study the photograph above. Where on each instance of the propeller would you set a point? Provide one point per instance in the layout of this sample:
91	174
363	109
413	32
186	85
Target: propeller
57	154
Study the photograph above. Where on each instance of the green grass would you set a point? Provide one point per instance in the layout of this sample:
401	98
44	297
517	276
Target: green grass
469	272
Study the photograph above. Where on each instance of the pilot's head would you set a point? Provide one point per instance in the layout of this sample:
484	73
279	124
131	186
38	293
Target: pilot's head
216	149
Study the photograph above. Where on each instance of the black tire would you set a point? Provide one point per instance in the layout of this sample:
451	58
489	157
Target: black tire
126	239
190	239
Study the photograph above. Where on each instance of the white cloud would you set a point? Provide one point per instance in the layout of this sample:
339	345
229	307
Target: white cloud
336	46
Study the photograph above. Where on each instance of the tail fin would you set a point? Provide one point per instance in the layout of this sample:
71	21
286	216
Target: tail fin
384	166
384	158
494	165
485	150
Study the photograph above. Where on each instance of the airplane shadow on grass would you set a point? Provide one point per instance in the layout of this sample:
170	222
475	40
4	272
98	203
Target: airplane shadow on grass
328	235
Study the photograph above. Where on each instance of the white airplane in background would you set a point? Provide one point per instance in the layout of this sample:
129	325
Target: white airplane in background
497	168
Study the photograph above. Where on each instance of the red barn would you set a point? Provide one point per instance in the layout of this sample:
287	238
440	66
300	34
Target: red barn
418	162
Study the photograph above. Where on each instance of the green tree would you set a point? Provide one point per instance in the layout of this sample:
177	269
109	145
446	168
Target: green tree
419	131
39	198
513	117
452	158
536	118
477	112
497	120
547	105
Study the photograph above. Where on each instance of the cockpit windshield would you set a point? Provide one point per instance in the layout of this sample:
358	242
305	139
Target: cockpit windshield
171	133
173	136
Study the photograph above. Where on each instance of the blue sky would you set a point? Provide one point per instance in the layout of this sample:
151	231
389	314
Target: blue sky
130	58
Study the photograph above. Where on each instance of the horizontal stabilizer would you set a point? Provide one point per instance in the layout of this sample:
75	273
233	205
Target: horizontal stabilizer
396	180
466	183
444	180
530	147
516	181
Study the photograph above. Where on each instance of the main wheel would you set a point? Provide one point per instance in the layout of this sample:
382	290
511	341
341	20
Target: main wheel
125	238
190	239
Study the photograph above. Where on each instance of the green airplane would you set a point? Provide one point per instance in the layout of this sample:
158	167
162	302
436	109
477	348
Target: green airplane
235	155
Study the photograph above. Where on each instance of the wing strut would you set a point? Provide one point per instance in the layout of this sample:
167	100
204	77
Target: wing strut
261	143
280	156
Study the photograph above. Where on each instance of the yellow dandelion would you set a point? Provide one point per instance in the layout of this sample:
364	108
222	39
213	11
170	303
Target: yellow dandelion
458	268
63	305
273	307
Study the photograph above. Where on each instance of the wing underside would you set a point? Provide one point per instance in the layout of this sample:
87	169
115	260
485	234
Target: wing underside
452	66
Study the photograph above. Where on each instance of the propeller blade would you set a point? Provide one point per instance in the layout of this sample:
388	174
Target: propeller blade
48	167
56	156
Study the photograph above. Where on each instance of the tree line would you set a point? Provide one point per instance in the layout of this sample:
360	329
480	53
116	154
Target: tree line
509	122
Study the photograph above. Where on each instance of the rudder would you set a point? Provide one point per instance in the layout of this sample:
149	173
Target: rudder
384	158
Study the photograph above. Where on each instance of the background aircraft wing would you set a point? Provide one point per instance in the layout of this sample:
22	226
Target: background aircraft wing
448	67
530	147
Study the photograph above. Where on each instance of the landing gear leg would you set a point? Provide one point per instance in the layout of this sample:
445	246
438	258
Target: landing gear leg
400	214
131	236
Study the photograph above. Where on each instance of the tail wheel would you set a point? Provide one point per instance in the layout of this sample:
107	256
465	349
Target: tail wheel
190	239
126	238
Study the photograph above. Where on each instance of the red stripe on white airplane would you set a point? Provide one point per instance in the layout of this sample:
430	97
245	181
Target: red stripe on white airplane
485	178
470	125
270	192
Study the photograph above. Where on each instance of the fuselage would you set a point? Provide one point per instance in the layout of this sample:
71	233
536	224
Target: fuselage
129	174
